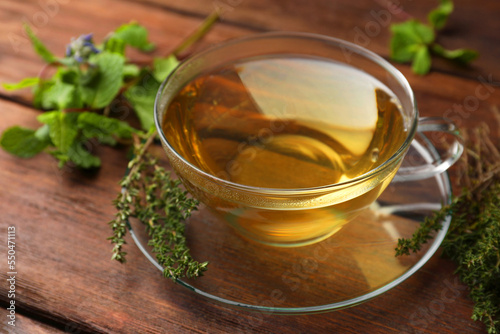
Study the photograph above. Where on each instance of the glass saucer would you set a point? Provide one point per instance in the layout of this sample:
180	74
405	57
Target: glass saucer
354	265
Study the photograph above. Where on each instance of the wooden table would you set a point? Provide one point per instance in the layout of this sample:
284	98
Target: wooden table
65	281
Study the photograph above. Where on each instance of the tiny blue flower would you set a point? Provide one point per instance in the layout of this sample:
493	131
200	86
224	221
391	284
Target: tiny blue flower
81	48
88	37
92	47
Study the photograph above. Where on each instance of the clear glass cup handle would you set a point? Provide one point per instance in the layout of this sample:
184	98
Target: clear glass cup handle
432	165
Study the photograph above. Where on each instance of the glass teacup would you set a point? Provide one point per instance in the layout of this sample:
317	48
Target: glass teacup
292	216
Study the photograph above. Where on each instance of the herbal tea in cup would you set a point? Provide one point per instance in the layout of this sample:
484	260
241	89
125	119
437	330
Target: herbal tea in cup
287	137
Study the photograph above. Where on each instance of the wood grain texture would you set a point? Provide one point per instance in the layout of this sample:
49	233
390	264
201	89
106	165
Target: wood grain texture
65	275
74	18
363	22
27	325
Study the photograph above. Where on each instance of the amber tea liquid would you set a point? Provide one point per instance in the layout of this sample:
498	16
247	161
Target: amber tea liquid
286	123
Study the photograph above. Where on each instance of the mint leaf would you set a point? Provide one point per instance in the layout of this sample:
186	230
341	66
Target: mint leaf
438	17
162	67
422	61
61	92
115	45
463	56
27	82
39	91
62	157
407	39
402	47
103	128
106	83
68	75
106	124
61	96
79	155
131	70
413	41
87	76
62	128
142	99
134	35
68	61
22	142
424	32
90	132
39	46
43	133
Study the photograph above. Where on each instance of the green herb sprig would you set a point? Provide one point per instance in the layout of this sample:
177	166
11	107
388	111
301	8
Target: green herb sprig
415	42
473	239
78	101
89	82
152	196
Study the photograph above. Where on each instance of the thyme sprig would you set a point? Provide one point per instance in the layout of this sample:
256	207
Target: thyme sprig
150	195
473	239
90	81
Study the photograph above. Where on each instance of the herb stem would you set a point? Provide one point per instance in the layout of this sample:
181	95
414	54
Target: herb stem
134	165
472	241
198	33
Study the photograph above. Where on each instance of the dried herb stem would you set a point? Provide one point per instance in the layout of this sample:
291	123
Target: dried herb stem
473	239
150	195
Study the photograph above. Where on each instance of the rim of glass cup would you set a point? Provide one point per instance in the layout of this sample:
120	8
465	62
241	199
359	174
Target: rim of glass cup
395	73
444	185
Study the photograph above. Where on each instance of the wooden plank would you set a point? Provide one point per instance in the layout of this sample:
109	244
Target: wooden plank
364	22
344	20
65	275
71	19
26	325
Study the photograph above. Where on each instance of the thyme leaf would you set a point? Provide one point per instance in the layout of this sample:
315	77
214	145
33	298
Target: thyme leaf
473	239
90	79
150	195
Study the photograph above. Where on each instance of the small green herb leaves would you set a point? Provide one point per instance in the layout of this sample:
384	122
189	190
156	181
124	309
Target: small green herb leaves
59	95
414	41
62	128
438	16
409	43
134	35
422	61
66	136
27	82
86	81
106	83
473	239
463	56
163	66
39	46
150	195
142	95
105	129
142	99
23	142
91	78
